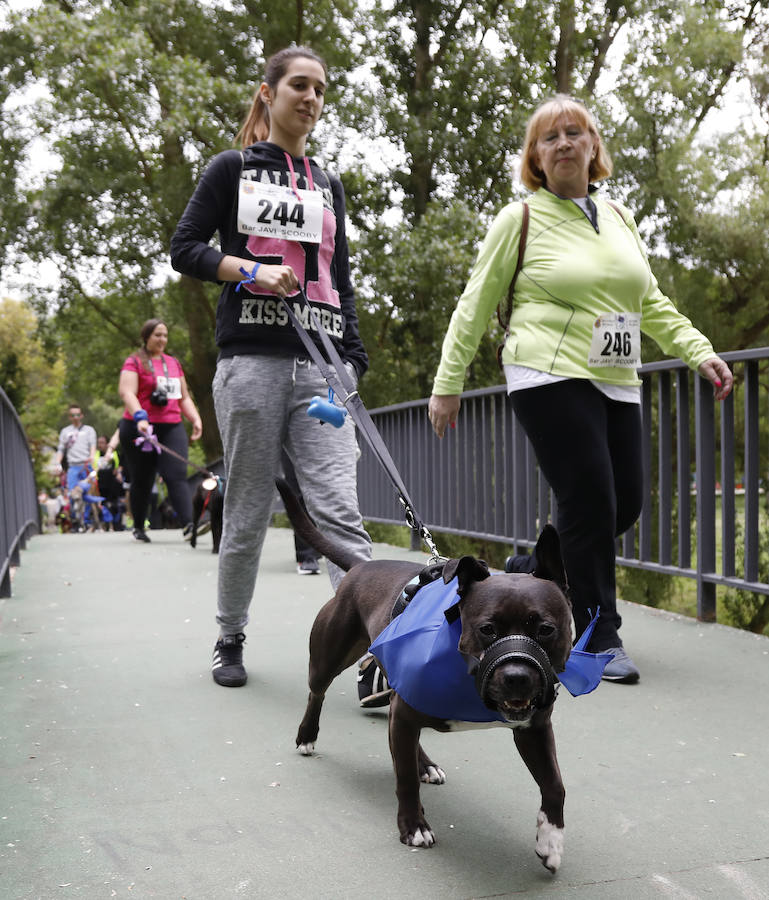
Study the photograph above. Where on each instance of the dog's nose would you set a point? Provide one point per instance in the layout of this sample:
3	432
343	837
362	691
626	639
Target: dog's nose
518	680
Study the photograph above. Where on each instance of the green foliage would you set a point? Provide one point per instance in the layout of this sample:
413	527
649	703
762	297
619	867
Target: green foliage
409	277
449	545
34	384
648	588
135	99
744	609
426	110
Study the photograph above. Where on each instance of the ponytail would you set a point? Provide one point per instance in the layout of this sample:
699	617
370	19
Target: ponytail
256	125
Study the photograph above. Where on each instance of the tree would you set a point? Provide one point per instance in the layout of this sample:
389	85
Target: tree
140	95
452	87
33	384
428	103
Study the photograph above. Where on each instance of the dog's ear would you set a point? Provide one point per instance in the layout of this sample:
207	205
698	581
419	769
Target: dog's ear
467	569
549	559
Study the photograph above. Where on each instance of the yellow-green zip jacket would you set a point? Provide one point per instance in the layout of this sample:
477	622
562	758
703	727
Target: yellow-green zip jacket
571	274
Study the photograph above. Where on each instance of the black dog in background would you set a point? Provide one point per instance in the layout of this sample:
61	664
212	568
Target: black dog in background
208	504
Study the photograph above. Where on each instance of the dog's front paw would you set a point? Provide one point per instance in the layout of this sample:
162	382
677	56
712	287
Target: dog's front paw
549	842
306	749
433	774
421	836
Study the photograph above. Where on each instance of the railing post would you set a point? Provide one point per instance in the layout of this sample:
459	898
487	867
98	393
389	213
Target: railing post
751	474
493	455
704	425
728	483
683	444
665	474
645	519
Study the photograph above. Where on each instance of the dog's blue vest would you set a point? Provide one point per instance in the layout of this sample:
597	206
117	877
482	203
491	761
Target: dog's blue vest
419	652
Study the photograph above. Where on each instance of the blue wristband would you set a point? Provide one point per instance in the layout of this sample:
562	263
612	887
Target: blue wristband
249	279
140	415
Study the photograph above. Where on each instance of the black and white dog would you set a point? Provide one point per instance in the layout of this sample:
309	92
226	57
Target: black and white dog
516	631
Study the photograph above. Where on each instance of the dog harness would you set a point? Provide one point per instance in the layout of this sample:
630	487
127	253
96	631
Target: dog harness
213	482
419	651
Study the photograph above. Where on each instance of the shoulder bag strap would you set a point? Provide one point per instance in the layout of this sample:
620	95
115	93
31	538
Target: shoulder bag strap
619	212
503	316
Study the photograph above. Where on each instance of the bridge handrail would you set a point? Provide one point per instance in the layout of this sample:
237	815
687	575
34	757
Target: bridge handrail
482	480
19	509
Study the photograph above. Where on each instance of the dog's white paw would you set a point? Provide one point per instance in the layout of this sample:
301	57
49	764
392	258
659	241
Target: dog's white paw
306	749
422	837
549	843
434	775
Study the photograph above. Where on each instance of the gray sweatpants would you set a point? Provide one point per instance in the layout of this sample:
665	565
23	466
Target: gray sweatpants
261	405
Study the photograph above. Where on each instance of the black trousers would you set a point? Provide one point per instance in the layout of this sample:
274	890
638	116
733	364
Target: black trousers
589	449
302	550
143	466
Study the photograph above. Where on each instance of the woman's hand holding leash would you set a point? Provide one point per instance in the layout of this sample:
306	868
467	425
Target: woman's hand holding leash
443	411
280	280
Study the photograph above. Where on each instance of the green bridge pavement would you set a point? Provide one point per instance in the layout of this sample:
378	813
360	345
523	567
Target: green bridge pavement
126	772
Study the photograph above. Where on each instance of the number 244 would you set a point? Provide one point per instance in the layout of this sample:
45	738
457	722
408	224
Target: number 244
279	212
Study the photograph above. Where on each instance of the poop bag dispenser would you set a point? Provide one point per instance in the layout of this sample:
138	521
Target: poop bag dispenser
327	410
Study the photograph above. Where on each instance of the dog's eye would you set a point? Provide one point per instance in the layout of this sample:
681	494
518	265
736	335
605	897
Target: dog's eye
488	630
546	630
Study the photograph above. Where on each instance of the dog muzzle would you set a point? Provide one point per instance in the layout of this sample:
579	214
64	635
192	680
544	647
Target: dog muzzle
518	648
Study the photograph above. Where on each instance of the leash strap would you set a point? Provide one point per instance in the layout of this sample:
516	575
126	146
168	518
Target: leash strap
338	379
156	444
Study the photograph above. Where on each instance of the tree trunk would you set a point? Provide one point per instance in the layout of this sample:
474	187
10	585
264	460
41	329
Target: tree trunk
564	54
420	107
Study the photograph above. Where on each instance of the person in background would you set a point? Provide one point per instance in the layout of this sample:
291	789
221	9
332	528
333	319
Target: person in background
110	480
281	224
307	559
76	448
153	388
582	298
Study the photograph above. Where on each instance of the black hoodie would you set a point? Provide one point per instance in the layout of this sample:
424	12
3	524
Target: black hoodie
256	323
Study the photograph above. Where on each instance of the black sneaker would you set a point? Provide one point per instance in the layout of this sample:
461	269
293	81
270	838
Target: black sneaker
373	689
522	563
308	567
227	667
187	532
140	535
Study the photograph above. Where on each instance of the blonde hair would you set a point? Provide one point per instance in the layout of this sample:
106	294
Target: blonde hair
544	117
256	125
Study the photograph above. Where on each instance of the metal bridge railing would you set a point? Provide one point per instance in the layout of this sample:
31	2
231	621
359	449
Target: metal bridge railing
482	480
19	511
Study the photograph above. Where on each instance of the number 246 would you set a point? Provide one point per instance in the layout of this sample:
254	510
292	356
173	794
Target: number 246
618	343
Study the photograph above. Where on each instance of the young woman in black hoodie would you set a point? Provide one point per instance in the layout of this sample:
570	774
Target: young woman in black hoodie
281	224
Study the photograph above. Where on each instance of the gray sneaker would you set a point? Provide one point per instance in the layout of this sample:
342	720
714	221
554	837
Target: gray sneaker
621	669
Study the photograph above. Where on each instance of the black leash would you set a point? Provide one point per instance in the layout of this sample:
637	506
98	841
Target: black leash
338	379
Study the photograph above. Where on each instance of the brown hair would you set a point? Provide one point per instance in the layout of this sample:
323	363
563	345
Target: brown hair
256	125
146	330
544	117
